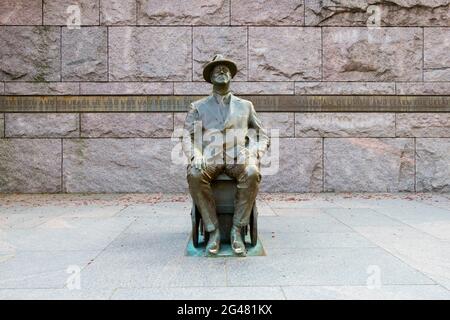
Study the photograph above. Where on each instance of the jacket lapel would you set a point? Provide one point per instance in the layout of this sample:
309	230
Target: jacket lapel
231	111
214	112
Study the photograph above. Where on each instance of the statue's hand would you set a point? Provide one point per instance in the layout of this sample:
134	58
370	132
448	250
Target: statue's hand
253	159
199	162
248	157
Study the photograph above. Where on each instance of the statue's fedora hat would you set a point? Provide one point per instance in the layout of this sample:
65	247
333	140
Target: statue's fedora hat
218	59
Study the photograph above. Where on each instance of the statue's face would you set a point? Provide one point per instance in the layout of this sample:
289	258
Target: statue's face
220	75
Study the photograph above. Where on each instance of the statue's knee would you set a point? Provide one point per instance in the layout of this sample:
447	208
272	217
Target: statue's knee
253	174
194	176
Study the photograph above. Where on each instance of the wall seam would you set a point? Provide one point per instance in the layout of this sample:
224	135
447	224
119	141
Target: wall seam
395	125
107	52
192	54
295	115
248	56
321	53
323	164
62	166
229	12
423	54
304	12
42	8
415	165
173	121
60	55
136	11
79	124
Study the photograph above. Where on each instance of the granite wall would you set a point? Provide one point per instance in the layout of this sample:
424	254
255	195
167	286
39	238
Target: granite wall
131	152
158	47
283	47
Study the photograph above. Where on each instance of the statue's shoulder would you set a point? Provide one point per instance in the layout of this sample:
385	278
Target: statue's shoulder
201	103
243	101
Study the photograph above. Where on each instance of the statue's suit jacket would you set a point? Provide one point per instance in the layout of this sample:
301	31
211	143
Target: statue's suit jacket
242	115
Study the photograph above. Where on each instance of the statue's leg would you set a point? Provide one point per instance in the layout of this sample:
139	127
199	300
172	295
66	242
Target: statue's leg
248	178
200	188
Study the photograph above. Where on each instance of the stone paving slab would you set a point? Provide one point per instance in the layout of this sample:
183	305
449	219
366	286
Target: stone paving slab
320	223
361	217
392	292
318	246
146	268
418	249
194	293
54	294
276	240
40	269
327	266
67	234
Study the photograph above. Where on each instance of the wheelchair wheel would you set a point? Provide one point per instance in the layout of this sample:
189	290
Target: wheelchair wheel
196	222
254	226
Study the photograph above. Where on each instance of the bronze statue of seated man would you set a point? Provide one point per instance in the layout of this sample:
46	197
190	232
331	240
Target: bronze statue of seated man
237	154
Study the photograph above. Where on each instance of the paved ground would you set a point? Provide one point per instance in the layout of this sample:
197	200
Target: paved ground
322	246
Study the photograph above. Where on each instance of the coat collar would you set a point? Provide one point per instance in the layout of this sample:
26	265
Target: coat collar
226	97
233	100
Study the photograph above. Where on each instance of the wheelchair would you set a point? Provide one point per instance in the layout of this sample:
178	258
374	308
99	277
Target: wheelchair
224	189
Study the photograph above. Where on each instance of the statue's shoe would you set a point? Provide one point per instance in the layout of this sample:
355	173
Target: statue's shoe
213	245
237	243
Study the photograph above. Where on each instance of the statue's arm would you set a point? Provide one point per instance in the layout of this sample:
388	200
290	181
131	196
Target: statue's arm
260	146
192	148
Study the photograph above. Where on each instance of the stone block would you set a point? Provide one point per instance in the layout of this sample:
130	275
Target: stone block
347	88
121	165
150	54
84	54
42	125
229	41
132	125
426	125
283	121
436	54
267	12
42	88
126	88
30	53
277	54
332	124
264	87
117	12
368	164
71	12
183	12
361	54
193	88
383	13
21	12
422	88
30	165
433	165
300	166
178	119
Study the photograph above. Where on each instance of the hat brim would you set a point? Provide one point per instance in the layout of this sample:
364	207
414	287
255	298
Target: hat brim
210	66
